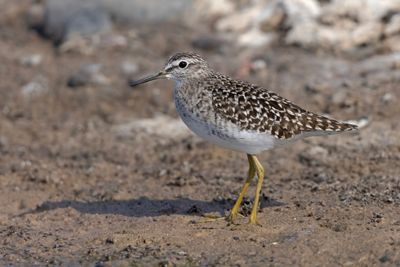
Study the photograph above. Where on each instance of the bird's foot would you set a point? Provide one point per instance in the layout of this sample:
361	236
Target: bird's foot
253	220
231	218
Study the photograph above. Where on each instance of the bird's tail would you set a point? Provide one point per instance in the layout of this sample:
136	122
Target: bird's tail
315	122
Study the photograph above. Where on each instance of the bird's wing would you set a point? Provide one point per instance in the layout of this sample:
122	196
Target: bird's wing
255	108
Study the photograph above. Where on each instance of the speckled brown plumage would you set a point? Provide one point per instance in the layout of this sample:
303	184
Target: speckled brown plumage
255	108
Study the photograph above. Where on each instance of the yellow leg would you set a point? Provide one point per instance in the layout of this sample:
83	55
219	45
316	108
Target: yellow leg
252	171
260	174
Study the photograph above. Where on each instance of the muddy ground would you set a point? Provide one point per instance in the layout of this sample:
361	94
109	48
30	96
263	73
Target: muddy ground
82	184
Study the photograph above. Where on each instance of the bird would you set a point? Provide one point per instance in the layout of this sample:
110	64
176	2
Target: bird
239	116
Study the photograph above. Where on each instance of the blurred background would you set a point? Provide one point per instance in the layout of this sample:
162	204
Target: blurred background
92	172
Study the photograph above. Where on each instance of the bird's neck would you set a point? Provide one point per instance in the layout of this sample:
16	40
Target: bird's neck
187	87
189	90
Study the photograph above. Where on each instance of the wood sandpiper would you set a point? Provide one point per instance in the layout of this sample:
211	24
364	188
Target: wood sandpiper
238	115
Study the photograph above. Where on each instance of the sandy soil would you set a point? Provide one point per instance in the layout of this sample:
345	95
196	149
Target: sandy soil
81	184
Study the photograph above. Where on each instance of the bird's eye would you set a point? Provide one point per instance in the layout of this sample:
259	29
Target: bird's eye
183	64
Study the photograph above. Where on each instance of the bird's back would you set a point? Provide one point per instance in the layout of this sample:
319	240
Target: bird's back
255	108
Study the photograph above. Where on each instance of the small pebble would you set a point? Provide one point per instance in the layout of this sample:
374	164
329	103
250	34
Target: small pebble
88	73
258	64
387	97
31	60
181	253
207	43
36	87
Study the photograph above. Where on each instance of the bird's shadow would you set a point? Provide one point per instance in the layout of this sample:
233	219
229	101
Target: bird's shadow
145	207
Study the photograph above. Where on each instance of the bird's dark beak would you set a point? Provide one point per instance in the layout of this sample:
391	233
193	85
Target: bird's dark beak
159	75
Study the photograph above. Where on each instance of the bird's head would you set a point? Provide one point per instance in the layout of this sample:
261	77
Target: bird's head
180	67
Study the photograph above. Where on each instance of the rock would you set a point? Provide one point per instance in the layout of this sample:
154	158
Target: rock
31	60
258	65
319	177
88	74
161	126
66	18
340	97
318	152
256	38
36	87
310	34
385	258
387	97
113	41
335	39
294	14
271	17
340	26
304	34
366	33
212	8
362	10
128	68
237	22
78	44
149	11
208	43
87	21
181	253
393	27
392	44
299	11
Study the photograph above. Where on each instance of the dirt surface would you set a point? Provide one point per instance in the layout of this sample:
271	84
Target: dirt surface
87	179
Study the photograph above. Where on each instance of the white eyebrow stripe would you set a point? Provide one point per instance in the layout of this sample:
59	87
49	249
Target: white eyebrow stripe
171	65
175	63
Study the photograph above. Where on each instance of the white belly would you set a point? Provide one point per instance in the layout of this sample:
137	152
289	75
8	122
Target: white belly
228	135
